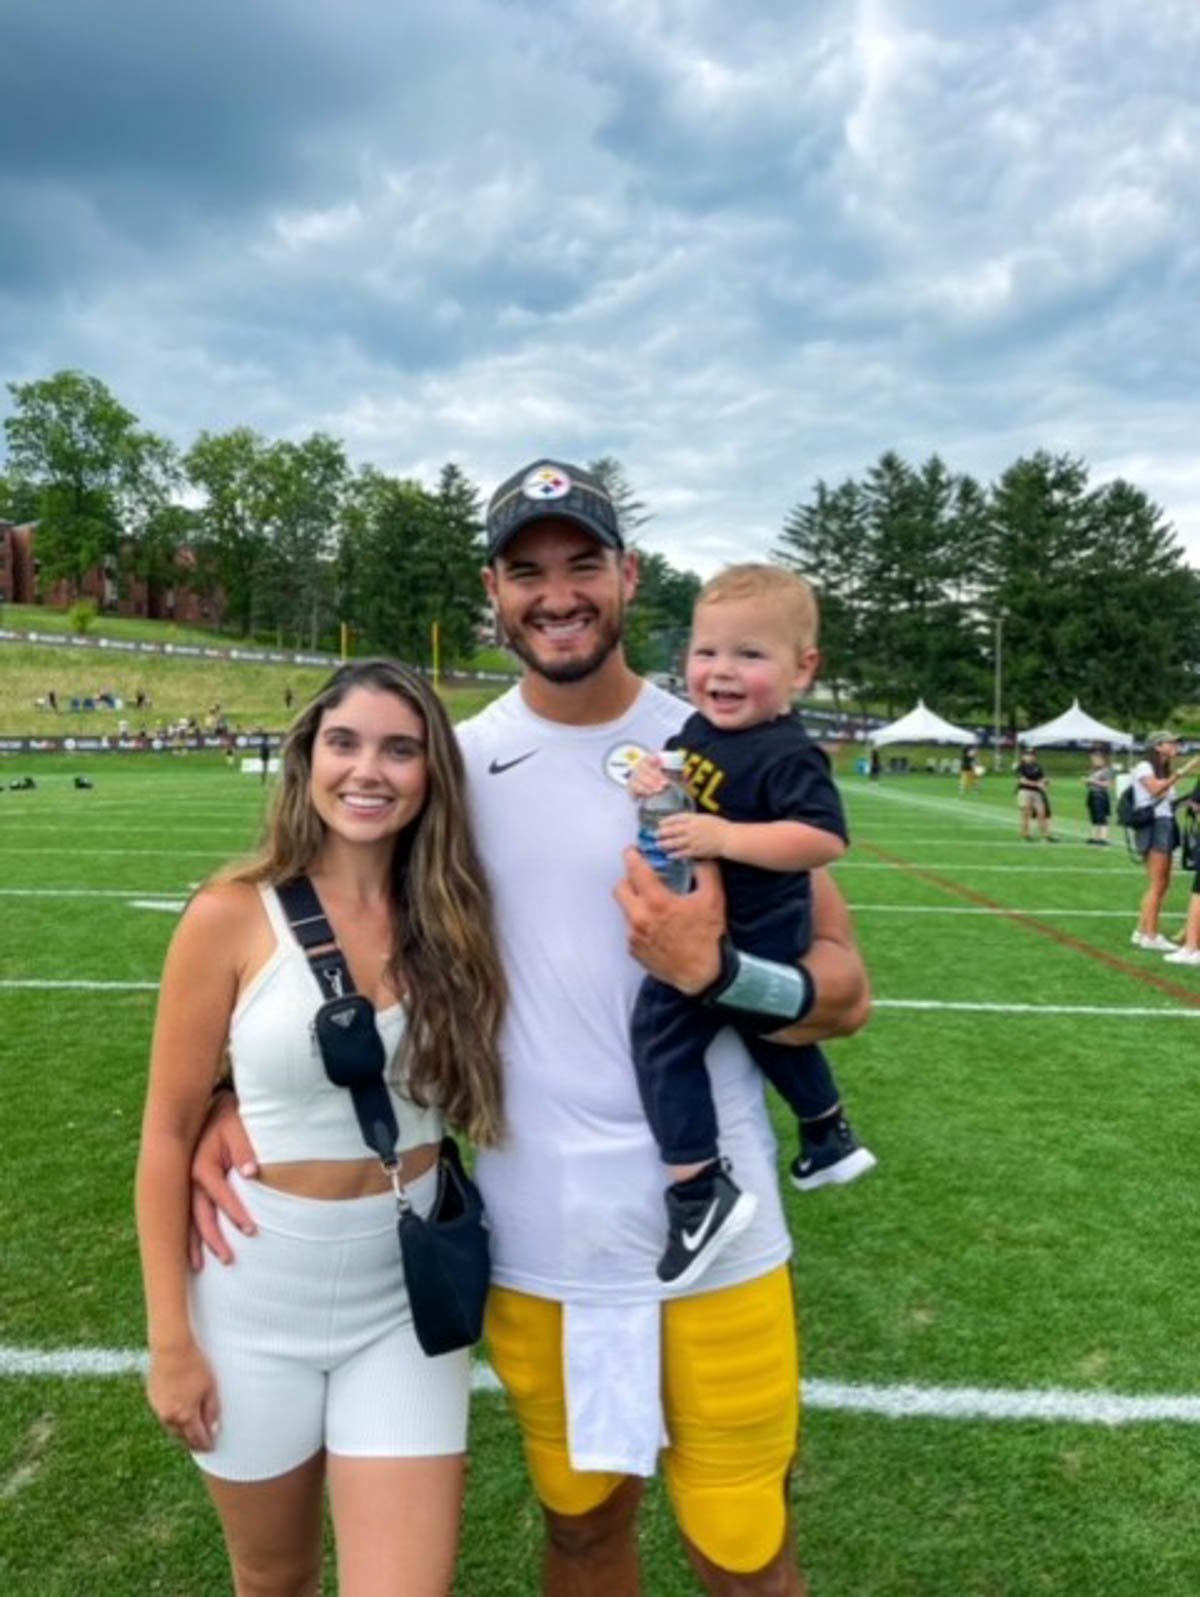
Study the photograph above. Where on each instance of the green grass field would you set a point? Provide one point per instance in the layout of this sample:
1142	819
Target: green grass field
1022	1249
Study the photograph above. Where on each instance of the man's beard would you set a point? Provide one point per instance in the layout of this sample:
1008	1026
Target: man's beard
608	639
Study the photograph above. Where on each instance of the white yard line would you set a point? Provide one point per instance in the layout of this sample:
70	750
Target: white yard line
907	829
38	985
102	830
1111	1011
906	1401
982	809
69	804
969	868
81	1363
87	892
965	909
23	849
965	809
894	1401
906	841
125	893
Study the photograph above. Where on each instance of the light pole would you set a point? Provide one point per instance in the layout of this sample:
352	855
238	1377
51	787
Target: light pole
999	652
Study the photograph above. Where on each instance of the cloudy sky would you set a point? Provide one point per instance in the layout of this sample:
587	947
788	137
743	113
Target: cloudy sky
739	246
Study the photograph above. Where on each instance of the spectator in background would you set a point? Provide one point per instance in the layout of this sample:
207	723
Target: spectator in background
52	700
264	755
968	771
1033	797
1188	952
1099	782
875	764
1154	787
287	697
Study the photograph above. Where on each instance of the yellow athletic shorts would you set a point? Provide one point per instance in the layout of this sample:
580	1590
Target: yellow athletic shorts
731	1398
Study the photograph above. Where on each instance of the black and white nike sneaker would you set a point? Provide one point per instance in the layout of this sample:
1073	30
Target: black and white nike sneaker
703	1214
832	1160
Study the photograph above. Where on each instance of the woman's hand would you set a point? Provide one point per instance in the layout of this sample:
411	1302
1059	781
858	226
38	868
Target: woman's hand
183	1394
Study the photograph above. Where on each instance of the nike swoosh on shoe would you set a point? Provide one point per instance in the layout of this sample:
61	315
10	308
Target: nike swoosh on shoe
694	1239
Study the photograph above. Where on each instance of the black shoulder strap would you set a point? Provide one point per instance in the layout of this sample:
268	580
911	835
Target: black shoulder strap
311	929
310	926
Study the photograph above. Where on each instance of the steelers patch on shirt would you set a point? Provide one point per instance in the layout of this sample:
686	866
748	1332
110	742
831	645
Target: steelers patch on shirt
546	482
620	761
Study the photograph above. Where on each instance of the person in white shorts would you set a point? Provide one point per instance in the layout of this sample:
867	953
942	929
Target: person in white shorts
609	1371
1154	778
301	1365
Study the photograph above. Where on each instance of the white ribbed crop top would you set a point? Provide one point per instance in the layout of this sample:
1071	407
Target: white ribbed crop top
289	1107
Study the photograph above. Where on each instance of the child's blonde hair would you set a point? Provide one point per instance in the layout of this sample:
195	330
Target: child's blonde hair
794	596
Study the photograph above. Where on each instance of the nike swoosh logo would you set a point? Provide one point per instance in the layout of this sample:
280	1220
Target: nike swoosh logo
694	1239
506	765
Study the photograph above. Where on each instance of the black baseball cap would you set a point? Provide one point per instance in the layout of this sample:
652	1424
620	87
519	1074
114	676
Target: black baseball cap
551	488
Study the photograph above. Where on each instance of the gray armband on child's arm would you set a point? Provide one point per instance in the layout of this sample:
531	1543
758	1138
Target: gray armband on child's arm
759	995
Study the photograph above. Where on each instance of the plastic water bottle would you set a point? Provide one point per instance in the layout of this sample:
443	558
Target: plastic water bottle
674	799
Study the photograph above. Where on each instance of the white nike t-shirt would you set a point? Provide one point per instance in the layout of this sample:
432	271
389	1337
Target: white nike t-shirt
576	1193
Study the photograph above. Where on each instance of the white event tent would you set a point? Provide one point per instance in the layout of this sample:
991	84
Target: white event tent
921	726
1075	726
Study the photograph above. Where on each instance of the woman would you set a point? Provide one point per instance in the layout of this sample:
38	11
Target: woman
1188	952
1154	788
299	1364
1098	783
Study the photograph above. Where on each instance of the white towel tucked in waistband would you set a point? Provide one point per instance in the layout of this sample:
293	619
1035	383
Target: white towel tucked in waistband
612	1367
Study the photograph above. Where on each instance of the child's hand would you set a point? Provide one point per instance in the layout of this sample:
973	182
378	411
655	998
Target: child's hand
692	836
647	777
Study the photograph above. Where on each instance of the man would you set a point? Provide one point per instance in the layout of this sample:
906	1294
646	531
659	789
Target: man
1033	795
580	1330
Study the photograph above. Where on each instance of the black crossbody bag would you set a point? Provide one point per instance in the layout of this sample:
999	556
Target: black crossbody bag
445	1255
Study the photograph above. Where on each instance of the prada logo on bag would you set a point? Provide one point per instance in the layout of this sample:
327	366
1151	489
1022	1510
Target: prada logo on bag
343	1017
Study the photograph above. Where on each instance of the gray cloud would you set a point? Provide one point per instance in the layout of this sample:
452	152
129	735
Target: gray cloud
740	248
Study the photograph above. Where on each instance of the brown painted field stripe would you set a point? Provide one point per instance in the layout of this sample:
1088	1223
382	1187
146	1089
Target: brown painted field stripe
1185	995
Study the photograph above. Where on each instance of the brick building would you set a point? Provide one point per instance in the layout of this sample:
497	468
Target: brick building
178	601
18	572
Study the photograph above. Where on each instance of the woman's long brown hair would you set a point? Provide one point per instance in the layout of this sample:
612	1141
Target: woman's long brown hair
443	957
1160	762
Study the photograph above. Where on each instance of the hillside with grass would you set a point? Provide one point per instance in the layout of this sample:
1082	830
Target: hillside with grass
249	693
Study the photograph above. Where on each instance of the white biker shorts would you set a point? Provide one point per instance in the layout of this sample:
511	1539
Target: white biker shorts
311	1341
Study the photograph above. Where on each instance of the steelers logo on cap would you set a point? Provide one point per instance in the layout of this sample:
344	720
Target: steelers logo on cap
546	482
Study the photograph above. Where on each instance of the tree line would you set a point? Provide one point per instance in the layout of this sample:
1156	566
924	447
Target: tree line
924	573
295	540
